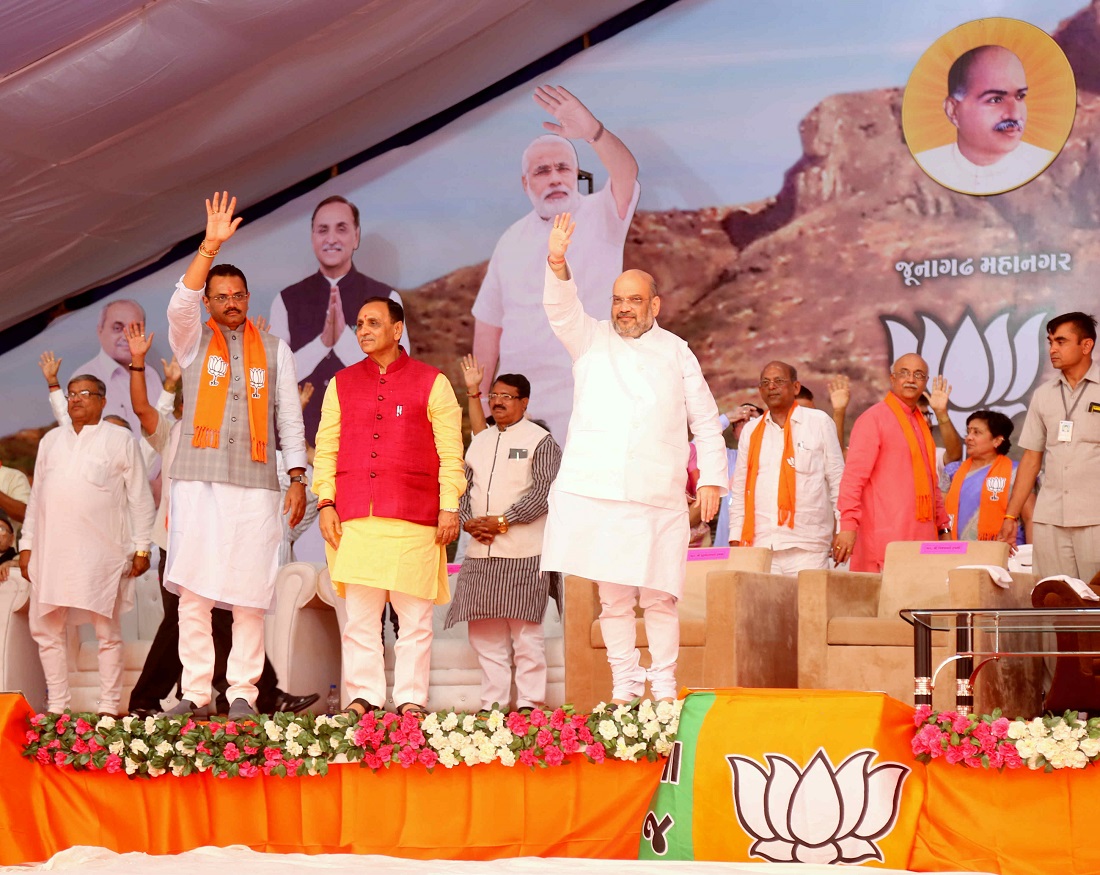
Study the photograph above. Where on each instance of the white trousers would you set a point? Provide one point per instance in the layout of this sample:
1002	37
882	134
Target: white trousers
49	632
795	559
662	629
246	655
364	659
1069	550
495	641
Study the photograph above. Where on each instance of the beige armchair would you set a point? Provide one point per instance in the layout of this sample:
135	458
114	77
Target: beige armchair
738	627
20	668
850	635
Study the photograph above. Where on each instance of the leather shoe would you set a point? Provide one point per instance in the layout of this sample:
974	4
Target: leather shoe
239	709
185	707
294	704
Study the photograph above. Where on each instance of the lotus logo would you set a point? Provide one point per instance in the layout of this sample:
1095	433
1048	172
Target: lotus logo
216	367
821	814
986	368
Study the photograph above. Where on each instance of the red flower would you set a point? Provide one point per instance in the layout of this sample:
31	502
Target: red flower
94	745
231	753
82	726
558	718
585	735
416	737
113	764
188	726
54	744
578	720
544	738
428	757
250	751
385	753
596	752
80	746
517	723
202	748
538	717
1000	727
59	758
553	756
527	757
922	714
273	754
43	756
361	737
38	719
248	770
406	756
230	727
32	736
373	761
569	745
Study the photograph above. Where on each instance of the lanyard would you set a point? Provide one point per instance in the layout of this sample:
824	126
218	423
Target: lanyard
1069	411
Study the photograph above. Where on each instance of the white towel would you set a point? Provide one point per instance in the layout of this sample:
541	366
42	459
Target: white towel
1000	575
1079	586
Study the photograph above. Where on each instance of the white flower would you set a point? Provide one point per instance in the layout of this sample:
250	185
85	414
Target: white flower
293	730
630	730
471	758
1061	731
107	722
507	756
116	747
178	769
1017	729
274	733
487	751
349	734
600	708
185	748
164	748
1090	747
314	750
130	765
456	739
139	746
663	746
333	742
1025	747
294	749
646	711
449	722
621	712
447	758
494	721
128	721
668	710
1036	728
155	772
503	737
479	738
1076	760
150	725
607	729
469	723
437	740
430	723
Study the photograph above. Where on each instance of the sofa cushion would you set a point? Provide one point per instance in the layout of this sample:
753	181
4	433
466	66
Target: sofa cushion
876	632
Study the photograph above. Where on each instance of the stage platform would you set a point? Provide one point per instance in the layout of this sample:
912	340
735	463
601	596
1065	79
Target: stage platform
756	775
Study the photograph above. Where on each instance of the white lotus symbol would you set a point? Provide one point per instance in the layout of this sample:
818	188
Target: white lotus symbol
986	368
820	815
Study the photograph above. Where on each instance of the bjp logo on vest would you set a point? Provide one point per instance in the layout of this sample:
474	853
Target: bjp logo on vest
995	485
216	367
256	379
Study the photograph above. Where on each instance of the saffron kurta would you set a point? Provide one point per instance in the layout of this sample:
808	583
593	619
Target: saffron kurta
388	553
878	498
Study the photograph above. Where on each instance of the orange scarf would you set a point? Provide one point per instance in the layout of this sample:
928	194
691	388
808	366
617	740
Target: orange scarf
786	481
922	477
210	405
991	510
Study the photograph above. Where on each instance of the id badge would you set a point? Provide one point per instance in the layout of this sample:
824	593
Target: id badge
1065	430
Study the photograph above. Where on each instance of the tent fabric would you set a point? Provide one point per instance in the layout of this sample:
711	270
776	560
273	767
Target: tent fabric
117	114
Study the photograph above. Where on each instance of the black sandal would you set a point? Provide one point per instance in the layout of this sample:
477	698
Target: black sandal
417	711
352	711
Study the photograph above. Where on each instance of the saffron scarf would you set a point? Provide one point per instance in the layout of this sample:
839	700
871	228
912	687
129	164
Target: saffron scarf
991	510
786	481
922	476
210	403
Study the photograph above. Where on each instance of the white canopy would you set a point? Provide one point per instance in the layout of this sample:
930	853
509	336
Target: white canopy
116	114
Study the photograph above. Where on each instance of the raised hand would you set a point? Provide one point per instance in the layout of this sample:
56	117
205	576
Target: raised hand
574	119
139	344
173	373
305	392
560	235
220	224
937	399
840	392
261	324
472	373
49	366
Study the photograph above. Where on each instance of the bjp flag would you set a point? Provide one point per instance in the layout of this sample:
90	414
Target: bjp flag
808	776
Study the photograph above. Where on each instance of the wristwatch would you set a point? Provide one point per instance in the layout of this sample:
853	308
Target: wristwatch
502	524
299	478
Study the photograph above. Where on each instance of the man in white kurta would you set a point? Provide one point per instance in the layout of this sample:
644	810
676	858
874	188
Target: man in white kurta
86	533
510	331
224	529
815	466
618	513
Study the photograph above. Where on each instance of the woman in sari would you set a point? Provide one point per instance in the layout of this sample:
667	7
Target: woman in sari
981	483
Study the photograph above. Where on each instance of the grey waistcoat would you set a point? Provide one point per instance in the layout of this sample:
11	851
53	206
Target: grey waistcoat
231	461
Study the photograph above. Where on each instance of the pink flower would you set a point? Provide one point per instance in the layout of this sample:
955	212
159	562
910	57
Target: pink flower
43	756
361	737
961	723
527	757
202	748
54	744
517	723
596	752
428	757
385	753
247	770
230	727
31	736
373	761
947	717
250	751
570	745
222	775
1012	758
585	734
538	717
1000	727
80	746
38	719
544	738
961	753
406	756
59	758
389	719
416	737
922	713
231	753
553	756
82	726
273	754
113	764
558	718
578	720
94	745
188	726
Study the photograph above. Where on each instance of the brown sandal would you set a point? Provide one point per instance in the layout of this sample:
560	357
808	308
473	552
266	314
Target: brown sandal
412	708
354	706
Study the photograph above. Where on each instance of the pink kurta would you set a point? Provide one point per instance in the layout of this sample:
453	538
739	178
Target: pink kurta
877	497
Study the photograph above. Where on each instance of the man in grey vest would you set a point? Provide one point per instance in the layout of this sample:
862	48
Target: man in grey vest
223	527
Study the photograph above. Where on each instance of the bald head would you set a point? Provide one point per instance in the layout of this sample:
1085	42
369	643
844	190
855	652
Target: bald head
909	377
634	303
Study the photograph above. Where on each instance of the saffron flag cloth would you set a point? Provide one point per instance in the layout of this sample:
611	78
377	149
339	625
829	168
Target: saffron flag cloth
811	776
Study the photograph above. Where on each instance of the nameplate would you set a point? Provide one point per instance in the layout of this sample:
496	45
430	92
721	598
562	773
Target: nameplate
942	548
699	554
453	567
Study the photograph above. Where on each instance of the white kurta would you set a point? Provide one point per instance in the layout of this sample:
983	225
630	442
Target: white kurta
223	539
949	167
618	508
90	508
510	297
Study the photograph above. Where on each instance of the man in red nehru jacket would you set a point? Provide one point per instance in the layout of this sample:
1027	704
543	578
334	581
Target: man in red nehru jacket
388	476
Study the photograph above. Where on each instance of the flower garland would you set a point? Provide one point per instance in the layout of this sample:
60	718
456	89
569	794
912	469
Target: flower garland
993	741
285	744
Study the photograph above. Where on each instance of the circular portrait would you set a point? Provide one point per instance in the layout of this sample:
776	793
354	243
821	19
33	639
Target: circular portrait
989	106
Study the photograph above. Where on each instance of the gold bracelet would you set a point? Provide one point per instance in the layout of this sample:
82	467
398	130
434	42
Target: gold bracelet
204	253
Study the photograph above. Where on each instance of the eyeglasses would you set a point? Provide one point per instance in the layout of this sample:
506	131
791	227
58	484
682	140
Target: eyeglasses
765	384
635	301
83	393
237	298
502	396
905	374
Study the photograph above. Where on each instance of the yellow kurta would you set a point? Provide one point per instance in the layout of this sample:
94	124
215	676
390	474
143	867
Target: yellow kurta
387	553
